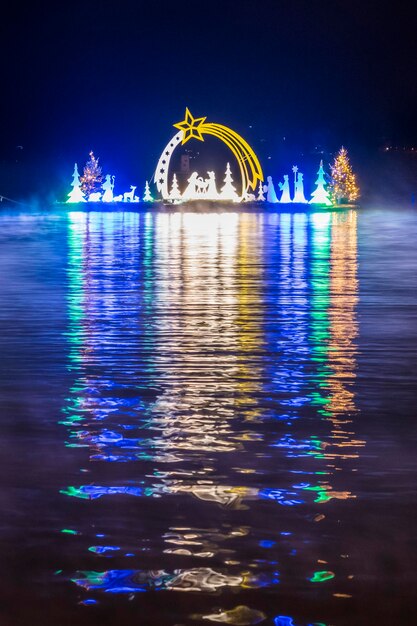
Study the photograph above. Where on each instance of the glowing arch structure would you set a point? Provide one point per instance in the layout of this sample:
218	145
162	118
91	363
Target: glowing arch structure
195	128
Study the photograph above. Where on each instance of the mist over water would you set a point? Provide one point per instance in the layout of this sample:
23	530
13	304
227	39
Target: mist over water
207	410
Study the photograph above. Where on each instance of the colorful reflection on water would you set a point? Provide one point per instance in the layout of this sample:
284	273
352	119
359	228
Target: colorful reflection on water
218	407
213	407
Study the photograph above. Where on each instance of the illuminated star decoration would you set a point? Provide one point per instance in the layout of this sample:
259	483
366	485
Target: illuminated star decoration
196	128
191	127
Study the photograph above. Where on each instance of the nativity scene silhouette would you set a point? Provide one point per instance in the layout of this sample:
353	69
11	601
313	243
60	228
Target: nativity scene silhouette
199	188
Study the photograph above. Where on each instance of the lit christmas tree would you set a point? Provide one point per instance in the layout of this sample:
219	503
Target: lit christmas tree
76	195
228	191
261	196
92	179
343	186
147	197
175	193
320	195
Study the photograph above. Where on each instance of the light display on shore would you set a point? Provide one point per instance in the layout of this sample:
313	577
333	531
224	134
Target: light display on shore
185	186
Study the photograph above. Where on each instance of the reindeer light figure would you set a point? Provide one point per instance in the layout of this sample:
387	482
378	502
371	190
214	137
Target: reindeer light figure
129	196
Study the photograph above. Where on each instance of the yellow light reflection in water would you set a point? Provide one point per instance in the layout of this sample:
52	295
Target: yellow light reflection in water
249	311
208	292
342	311
343	332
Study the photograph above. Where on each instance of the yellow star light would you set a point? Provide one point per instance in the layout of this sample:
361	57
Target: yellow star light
191	127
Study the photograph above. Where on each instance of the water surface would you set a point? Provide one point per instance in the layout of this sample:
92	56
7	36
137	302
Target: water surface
203	411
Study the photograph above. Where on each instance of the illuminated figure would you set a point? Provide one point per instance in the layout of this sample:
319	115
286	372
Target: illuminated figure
108	187
228	191
320	195
129	196
76	195
285	188
191	189
211	192
271	196
299	190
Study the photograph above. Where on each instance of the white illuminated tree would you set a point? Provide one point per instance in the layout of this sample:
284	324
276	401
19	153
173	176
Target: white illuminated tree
147	197
261	195
228	191
320	195
76	195
175	193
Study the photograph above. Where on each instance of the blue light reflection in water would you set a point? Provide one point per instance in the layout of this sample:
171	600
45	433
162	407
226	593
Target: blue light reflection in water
214	356
185	398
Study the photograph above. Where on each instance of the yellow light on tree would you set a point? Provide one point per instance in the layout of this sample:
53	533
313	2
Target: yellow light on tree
343	186
92	178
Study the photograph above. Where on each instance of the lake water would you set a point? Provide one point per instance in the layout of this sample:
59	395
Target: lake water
201	412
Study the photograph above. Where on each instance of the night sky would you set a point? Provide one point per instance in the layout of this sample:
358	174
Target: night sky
115	76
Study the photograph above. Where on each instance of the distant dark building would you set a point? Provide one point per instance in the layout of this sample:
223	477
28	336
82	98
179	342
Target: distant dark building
185	164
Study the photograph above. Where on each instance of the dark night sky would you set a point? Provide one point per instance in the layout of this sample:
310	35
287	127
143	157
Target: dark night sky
115	76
